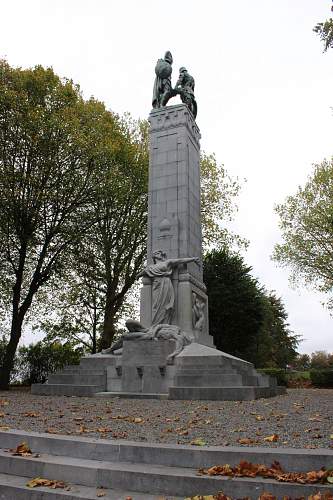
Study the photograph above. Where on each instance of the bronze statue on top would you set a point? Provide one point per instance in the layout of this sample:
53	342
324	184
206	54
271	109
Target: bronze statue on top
163	90
185	88
162	85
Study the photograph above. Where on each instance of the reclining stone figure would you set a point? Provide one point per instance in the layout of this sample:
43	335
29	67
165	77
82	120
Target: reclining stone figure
136	331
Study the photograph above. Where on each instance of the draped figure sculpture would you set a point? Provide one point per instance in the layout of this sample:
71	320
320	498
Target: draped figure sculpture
163	295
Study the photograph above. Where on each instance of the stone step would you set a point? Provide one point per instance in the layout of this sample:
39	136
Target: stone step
208	370
150	479
70	367
98	361
117	450
80	378
66	390
79	369
242	393
15	488
207	380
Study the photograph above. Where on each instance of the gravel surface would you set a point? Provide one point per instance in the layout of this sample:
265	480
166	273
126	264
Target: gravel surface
303	418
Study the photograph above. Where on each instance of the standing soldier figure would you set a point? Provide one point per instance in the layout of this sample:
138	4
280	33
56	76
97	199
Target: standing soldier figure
185	88
162	85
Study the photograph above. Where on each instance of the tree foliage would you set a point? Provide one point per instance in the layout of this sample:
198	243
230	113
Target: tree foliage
325	32
244	319
306	222
48	169
219	192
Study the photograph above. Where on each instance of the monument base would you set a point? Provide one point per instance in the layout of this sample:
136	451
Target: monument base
198	373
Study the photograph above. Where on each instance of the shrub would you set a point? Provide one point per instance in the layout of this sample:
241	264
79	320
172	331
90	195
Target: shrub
299	379
37	361
278	373
322	378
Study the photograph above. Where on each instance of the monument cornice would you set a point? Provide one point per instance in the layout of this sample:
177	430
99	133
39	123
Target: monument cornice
174	116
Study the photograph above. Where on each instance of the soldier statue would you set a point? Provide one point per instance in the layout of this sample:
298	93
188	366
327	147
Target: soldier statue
185	88
162	85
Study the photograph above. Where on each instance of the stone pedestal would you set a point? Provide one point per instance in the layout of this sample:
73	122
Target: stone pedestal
174	220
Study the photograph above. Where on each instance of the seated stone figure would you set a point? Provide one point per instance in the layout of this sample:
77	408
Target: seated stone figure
155	332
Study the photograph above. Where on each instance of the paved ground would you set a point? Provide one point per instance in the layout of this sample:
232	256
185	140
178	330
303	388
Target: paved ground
301	419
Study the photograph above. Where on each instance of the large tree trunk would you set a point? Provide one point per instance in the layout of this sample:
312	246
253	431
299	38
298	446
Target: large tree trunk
109	329
8	361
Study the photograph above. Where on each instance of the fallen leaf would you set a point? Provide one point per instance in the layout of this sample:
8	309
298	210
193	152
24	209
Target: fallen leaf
245	441
138	420
50	483
31	414
22	450
266	496
102	430
100	493
198	442
272	438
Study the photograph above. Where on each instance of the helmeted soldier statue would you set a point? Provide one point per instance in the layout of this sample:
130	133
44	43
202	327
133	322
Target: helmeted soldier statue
162	85
185	88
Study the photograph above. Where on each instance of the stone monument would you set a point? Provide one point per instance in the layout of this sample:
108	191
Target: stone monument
169	353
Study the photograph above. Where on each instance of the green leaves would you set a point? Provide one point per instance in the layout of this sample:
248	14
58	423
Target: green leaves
244	319
325	32
218	194
306	223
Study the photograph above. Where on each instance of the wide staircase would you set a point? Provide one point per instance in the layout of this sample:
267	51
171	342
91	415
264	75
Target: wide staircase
119	470
85	379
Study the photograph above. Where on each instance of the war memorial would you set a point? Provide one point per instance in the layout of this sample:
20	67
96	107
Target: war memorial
169	353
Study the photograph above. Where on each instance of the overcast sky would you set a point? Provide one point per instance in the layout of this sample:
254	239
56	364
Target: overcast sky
263	87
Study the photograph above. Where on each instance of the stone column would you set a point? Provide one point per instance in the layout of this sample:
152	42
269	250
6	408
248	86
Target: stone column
174	219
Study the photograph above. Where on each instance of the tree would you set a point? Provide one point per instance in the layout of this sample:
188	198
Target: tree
218	204
306	222
48	169
321	360
325	32
236	311
109	255
277	345
244	319
302	362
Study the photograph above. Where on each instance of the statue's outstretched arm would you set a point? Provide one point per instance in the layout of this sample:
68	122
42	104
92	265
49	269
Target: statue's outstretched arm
185	260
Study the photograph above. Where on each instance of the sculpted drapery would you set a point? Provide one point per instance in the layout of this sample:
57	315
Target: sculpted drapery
163	295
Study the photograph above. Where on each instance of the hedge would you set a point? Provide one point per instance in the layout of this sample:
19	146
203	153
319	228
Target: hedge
322	378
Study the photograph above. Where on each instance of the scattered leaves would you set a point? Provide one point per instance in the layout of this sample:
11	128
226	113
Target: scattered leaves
271	439
100	492
245	441
275	471
50	483
31	414
198	442
22	450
